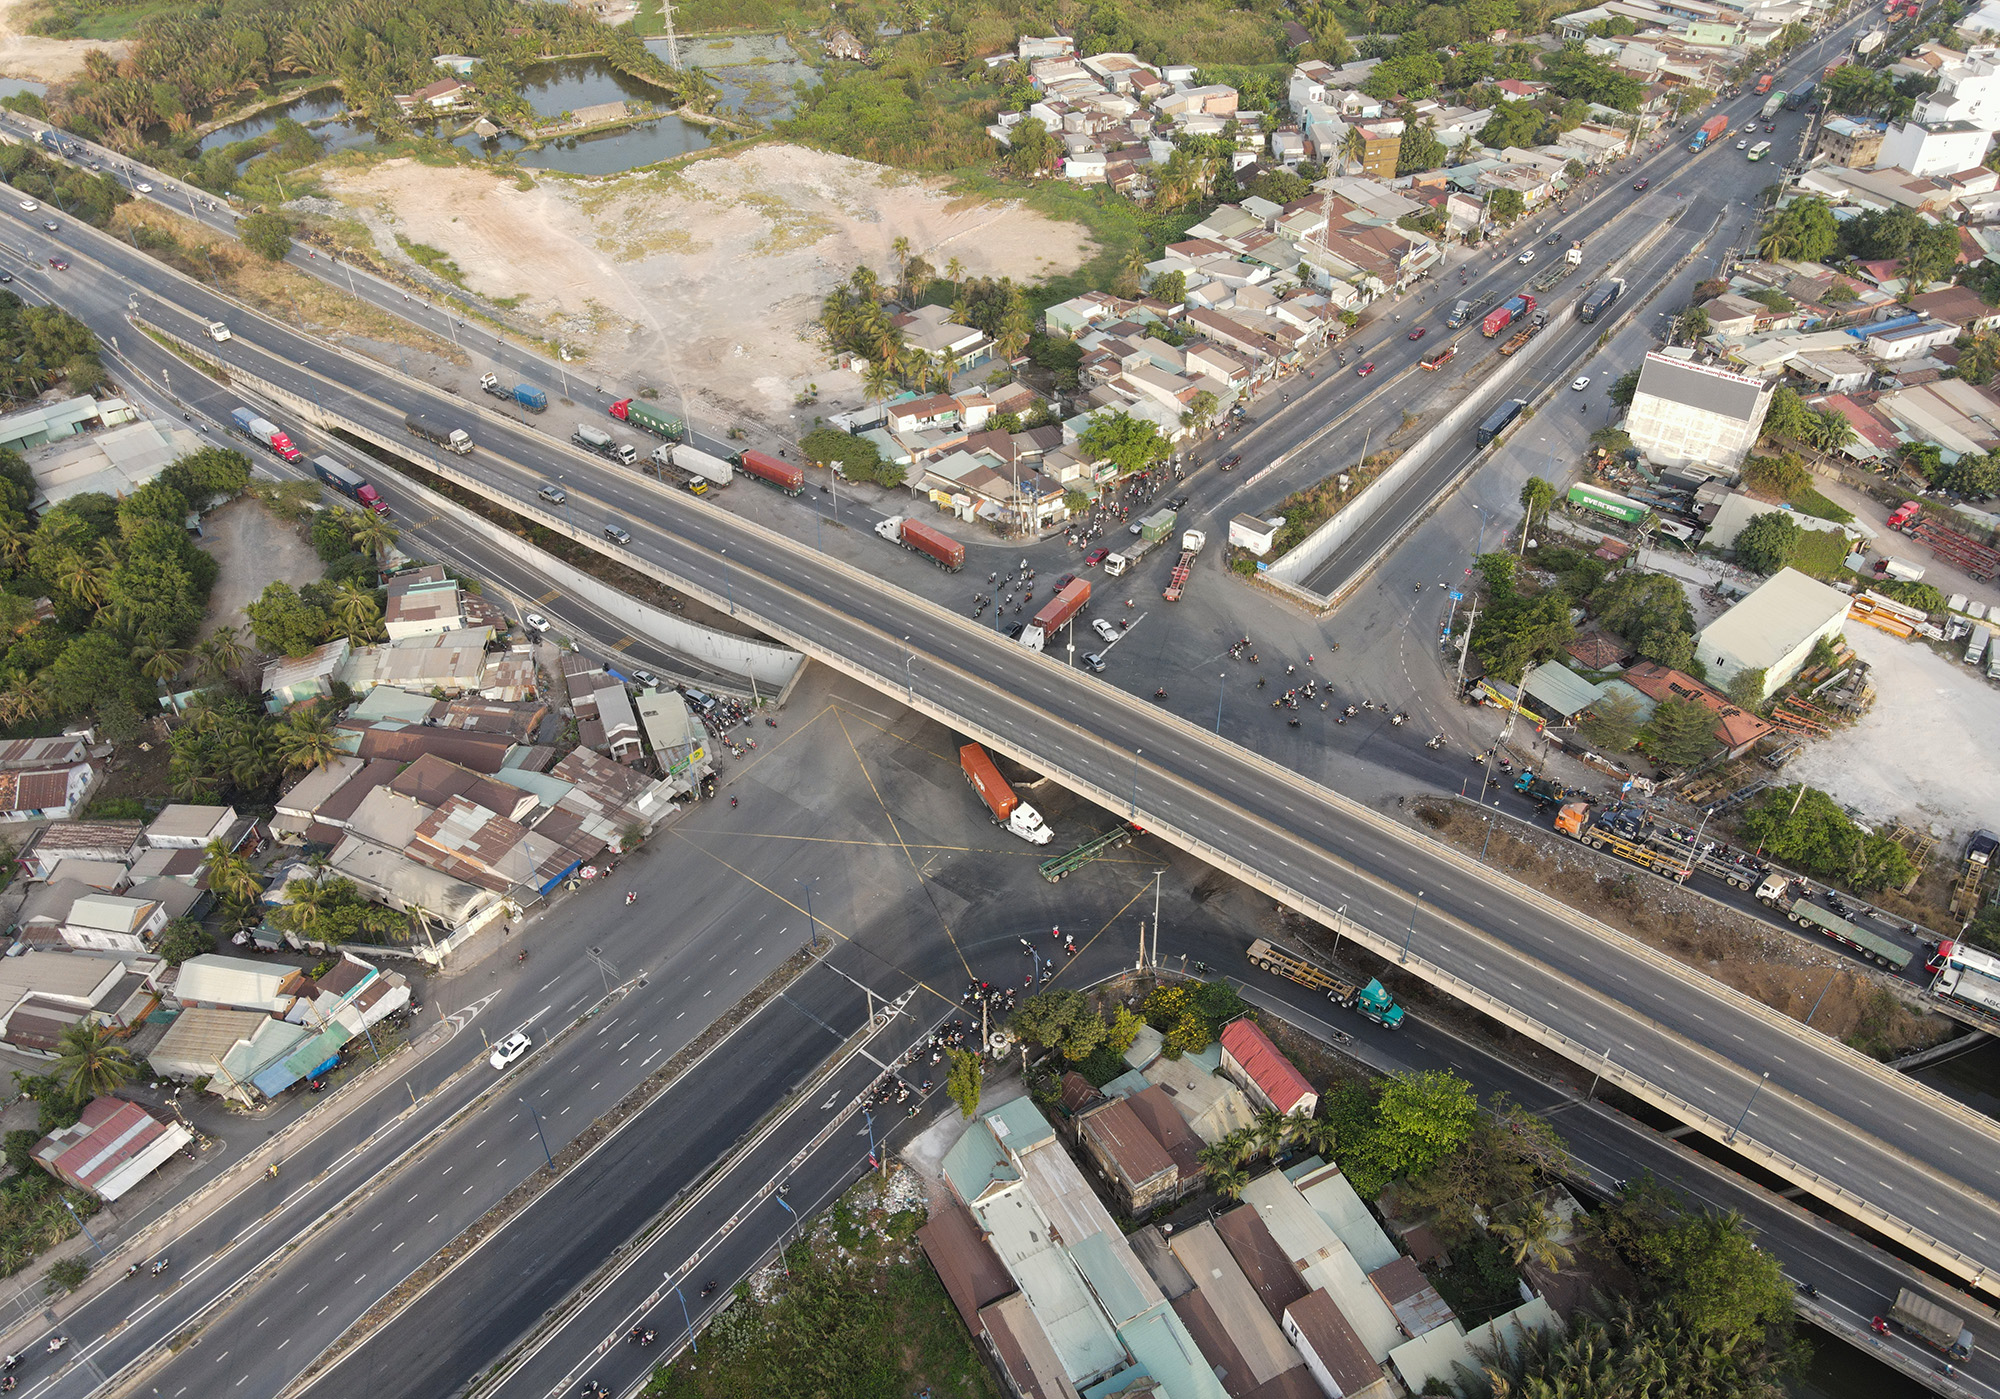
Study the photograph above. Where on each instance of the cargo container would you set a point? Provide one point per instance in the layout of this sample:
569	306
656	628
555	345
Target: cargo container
1503	315
1057	613
1157	525
934	544
1800	96
1497	421
1598	299
765	467
349	483
452	439
271	435
1621	508
1966	974
714	470
527	395
243	417
664	467
648	419
1711	130
1000	797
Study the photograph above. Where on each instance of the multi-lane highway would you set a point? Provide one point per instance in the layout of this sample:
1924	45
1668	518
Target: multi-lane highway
1819	1105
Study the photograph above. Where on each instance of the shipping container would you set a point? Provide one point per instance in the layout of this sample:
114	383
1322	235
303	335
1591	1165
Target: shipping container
1597	300
765	467
648	419
1497	421
1603	502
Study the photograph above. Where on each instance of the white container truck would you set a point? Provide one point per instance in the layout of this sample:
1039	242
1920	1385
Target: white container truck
712	469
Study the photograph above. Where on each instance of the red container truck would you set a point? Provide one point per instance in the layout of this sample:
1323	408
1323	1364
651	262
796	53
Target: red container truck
1504	315
1711	130
947	553
1000	797
765	467
1058	611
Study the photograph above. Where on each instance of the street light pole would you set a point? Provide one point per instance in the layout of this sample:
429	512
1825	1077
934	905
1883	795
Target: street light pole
81	1225
728	585
1132	807
1598	1073
909	676
811	922
1218	701
537	1118
687	1318
1766	1078
1412	930
1822	995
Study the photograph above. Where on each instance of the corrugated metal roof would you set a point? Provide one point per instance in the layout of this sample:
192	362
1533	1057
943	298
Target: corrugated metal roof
1118	1292
1335	1201
1237	1307
1410	1296
1162	1345
1323	1260
1321	1327
1275	1076
1121	1138
975	1164
1266	1265
1786	608
1019	1126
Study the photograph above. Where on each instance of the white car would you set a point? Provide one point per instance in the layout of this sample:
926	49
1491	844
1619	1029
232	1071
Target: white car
1525	258
1742	145
1104	629
143	187
535	621
30	205
1582	383
646	678
509	1049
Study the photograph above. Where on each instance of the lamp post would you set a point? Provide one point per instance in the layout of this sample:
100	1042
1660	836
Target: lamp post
1762	1080
1218	700
1339	926
687	1318
81	1225
1132	807
537	1119
1822	995
1411	931
1599	1073
811	922
728	584
909	676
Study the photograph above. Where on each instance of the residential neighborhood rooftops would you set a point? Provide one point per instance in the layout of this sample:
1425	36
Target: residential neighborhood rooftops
1272	1073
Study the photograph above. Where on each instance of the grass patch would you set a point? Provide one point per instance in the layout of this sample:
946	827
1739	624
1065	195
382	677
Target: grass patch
99	22
432	260
651	18
858	1312
1808	501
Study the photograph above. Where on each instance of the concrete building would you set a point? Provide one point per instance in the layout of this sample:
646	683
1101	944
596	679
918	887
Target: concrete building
1687	414
1934	148
1332	1350
1773	630
79	840
1852	141
182	827
1138	1168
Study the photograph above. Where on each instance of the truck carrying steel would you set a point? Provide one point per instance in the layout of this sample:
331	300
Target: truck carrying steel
765	467
1056	613
453	439
1611	831
648	419
1000	797
1191	546
1116	565
1782	892
1372	1000
1598	299
1498	420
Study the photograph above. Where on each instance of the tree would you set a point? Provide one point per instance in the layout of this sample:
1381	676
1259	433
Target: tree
89	1064
1681	732
1613	724
1420	1119
1170	287
1530	1232
1635	604
1505	205
1228	1181
1803	231
1537	496
1624	388
1978	357
1512	124
1781	476
1421	150
1131	444
1711	1272
267	235
1746	689
1693	322
1061	1021
229	874
373	534
1768	542
284	622
1201	411
183	938
1803	828
308	739
964	1079
1974	475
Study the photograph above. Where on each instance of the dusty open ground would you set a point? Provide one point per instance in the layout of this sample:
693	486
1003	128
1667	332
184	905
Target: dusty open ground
22	55
702	280
254	549
1915	754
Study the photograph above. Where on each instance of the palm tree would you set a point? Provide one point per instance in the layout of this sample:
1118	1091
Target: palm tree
955	271
1229	1181
306	902
158	660
947	369
1354	146
356	608
1271	1130
879	380
375	535
1318	1134
89	1064
901	248
83	580
307	739
1530	1233
222	653
229	874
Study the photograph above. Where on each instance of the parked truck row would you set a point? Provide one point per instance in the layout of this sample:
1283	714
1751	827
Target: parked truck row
765	467
1372	1001
1528	332
1000	797
1966	974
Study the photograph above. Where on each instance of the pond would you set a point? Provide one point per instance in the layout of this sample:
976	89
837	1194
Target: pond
755	74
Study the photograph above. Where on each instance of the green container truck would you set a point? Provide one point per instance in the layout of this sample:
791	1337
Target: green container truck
639	415
1157	525
1603	502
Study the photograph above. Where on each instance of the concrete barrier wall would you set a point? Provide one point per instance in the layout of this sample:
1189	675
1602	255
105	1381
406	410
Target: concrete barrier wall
1303	560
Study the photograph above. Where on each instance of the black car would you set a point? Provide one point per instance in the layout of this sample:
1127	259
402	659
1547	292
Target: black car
1014	632
1228	463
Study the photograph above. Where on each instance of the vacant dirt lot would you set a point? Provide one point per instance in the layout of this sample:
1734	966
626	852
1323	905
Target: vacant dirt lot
703	280
22	55
253	549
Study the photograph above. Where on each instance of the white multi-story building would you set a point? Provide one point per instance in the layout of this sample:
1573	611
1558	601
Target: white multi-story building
1695	415
1935	148
1967	90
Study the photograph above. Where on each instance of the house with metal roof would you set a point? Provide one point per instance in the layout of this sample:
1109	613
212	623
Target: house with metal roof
292	680
111	1147
184	827
1326	1189
1133	1162
1249	1057
1332	1350
1439	1353
1685	414
1323	1261
114	923
215	982
1237	1311
196	1042
90	840
1211	1105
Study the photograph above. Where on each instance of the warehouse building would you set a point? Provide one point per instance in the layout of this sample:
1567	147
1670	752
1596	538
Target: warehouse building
1773	630
1686	414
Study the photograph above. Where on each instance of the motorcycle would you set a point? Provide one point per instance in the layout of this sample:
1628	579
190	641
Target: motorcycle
630	898
1159	694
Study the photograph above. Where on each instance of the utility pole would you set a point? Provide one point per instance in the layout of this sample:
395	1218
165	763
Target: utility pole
1156	916
673	40
1464	645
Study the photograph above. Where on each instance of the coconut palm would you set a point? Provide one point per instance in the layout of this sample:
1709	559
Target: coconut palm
357	610
1229	1181
955	271
1271	1130
89	1064
222	653
901	248
878	380
1530	1233
947	369
1318	1134
375	535
82	579
307	740
158	659
229	874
